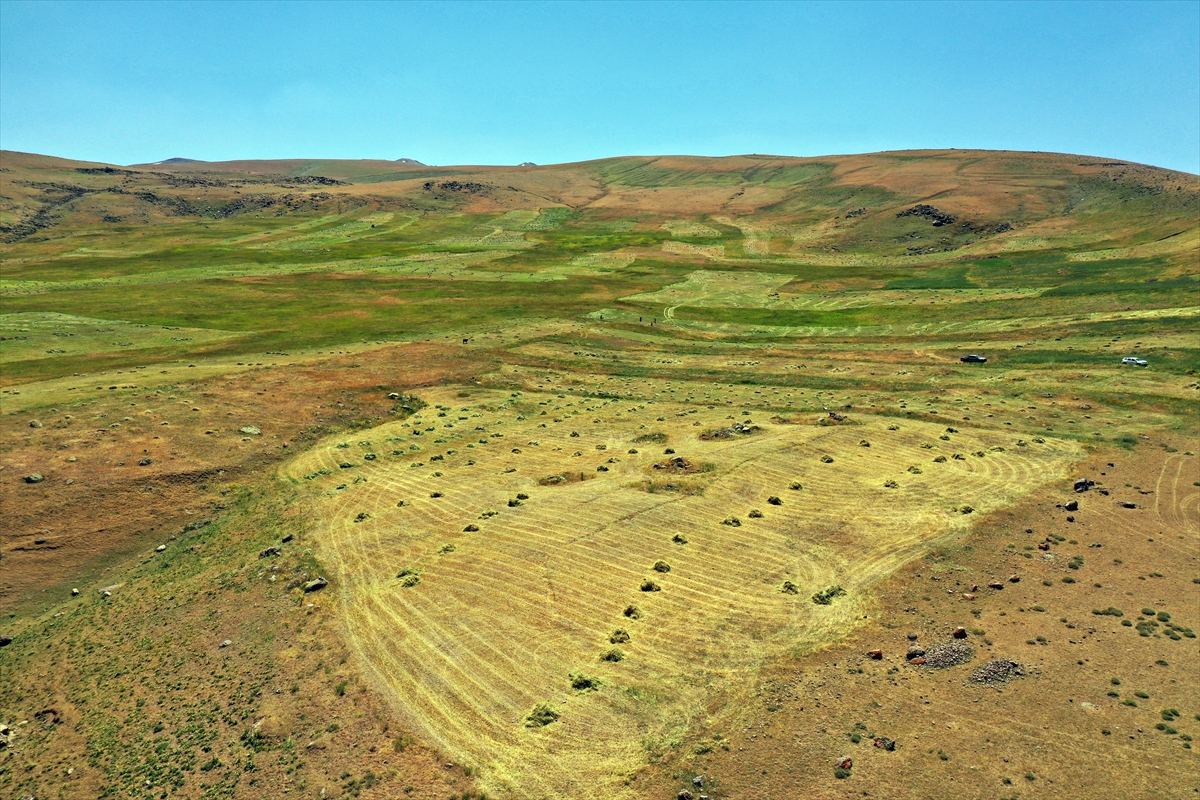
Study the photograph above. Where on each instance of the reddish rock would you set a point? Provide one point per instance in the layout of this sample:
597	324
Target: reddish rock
845	763
917	661
876	654
968	596
996	585
1014	578
959	633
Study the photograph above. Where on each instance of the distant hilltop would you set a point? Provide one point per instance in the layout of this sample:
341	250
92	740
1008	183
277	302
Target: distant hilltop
178	161
412	161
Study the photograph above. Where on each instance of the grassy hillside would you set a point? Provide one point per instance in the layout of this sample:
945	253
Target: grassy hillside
583	451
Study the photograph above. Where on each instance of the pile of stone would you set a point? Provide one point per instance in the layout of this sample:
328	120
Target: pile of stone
949	654
996	672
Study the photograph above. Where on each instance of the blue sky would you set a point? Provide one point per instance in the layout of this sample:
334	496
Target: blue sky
502	83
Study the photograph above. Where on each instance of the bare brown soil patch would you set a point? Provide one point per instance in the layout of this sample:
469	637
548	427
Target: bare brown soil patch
97	498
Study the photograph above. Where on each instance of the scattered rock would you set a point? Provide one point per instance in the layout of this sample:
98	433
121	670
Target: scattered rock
996	584
884	743
914	652
912	636
999	671
287	538
1014	578
1083	484
1072	505
35	424
938	218
274	550
1122	504
968	596
226	643
34	478
161	548
959	633
5	641
250	430
315	585
875	654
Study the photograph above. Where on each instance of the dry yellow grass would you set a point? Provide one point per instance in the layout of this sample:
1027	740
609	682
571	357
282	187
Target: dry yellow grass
497	624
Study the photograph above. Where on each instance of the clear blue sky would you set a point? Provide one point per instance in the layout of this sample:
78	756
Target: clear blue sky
501	83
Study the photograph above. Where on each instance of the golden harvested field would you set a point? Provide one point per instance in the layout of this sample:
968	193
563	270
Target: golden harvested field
514	599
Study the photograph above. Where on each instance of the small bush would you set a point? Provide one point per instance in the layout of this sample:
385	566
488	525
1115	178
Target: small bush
756	514
584	683
650	586
826	595
613	654
633	612
1108	612
841	772
732	522
618	636
662	566
775	501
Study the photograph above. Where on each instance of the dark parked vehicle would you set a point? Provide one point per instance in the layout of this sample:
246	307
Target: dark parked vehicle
973	359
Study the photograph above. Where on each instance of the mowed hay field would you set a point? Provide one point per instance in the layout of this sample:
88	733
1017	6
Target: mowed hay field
514	600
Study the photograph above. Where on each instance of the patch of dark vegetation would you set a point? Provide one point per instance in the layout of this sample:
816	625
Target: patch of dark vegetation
733	431
938	218
826	595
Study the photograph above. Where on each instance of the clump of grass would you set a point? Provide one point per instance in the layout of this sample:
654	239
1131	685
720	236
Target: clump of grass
613	655
826	459
662	566
650	586
789	588
633	612
775	501
409	578
1108	612
891	485
542	715
732	522
756	514
826	595
584	683
795	486
618	636
679	538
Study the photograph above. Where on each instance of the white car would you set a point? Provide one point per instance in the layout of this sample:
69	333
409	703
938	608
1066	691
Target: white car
1137	362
